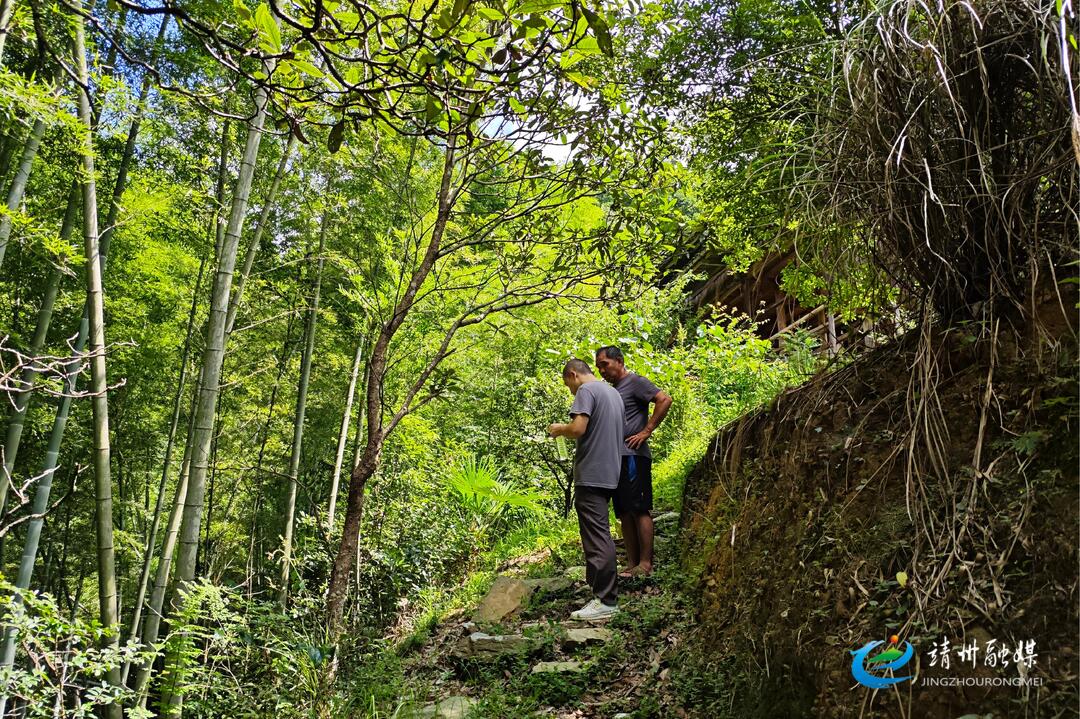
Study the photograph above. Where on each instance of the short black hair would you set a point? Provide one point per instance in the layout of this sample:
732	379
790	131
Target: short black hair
576	365
611	352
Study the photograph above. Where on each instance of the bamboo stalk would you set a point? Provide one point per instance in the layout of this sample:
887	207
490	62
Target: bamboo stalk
107	600
298	419
343	435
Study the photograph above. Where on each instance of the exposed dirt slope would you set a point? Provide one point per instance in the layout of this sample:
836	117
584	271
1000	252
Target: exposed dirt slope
956	467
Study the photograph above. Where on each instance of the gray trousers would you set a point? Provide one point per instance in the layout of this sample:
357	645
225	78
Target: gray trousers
591	504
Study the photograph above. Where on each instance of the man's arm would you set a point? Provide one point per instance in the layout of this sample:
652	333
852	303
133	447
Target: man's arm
574	429
663	404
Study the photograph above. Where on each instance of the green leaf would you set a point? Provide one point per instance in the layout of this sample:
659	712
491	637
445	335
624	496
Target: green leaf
581	80
243	11
489	13
531	6
517	106
600	29
424	58
901	578
536	21
268	28
337	135
431	108
587	46
568	60
307	68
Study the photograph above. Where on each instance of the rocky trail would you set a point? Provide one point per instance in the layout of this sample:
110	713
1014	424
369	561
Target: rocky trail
518	653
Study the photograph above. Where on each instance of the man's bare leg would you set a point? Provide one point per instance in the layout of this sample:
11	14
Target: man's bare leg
630	540
643	534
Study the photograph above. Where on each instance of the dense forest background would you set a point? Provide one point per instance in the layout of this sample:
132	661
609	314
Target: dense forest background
285	290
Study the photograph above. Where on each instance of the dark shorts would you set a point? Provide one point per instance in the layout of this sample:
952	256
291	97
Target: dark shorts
634	493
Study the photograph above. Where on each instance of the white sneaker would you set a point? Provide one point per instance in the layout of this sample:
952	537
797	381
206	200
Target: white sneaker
595	611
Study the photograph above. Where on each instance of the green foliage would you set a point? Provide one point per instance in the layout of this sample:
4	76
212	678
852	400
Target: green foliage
244	658
61	662
484	496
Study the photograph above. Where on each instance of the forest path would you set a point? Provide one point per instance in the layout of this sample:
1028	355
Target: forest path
518	653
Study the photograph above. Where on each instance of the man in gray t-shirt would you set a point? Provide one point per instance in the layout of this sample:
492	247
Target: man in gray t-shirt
596	422
633	498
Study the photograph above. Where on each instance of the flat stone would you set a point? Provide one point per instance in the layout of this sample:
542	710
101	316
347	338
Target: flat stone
575	573
479	645
469	627
550	585
666	517
583	636
449	708
558	668
506	596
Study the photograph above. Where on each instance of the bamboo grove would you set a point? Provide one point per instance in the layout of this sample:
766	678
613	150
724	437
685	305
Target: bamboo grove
388	162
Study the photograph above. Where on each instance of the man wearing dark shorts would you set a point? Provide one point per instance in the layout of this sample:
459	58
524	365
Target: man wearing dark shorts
633	497
596	422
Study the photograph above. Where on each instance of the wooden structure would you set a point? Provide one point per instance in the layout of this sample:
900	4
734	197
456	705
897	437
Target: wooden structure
757	294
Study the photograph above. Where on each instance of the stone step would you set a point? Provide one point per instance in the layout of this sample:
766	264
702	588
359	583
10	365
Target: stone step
576	637
448	708
558	668
571	634
509	594
479	645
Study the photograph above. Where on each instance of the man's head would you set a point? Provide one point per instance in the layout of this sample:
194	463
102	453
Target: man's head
575	373
609	360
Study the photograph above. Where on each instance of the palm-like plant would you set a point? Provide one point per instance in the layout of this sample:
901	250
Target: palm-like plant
477	485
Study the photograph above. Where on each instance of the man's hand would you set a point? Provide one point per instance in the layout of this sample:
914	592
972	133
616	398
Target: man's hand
574	430
636	440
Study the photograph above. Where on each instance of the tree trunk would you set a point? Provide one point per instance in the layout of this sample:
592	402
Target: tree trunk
214	352
11	141
6	8
18	185
98	382
298	420
369	463
343	435
256	237
213	355
15	424
151	535
21	400
202	557
152	625
283	363
219	188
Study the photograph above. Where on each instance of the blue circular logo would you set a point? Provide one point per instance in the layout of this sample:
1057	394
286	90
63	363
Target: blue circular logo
869	671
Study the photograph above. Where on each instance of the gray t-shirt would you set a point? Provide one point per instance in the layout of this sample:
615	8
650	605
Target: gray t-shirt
636	392
597	459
